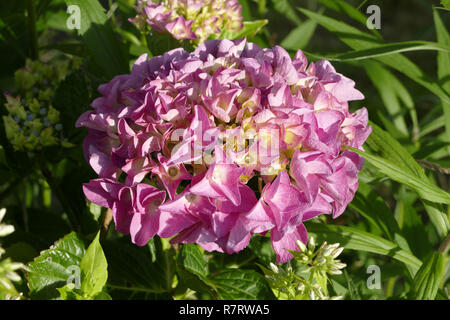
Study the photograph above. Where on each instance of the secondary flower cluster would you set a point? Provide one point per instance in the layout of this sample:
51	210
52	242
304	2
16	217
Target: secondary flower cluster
222	143
189	19
32	123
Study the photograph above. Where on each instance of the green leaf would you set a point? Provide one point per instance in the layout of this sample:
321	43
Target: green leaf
400	166
93	267
68	292
443	65
446	4
351	238
71	99
425	189
193	260
139	269
359	40
250	29
347	9
51	269
99	37
241	284
389	49
159	43
373	208
262	248
193	268
300	36
389	148
384	81
427	280
285	9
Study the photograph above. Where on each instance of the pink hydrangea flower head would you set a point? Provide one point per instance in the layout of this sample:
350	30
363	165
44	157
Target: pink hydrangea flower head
194	20
230	140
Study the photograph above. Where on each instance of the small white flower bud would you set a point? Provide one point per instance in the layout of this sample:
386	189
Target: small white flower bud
301	246
337	252
311	243
340	265
327	252
274	267
335	271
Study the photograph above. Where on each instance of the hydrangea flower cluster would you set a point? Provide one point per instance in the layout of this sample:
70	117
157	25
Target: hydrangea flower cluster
32	123
194	20
230	140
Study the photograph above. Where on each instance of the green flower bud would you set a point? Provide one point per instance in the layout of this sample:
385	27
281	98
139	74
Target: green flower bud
34	106
47	138
53	115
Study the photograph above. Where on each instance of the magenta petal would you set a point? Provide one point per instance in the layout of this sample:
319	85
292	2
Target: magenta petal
282	241
143	227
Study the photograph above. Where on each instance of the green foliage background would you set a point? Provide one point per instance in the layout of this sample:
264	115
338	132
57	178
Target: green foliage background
399	219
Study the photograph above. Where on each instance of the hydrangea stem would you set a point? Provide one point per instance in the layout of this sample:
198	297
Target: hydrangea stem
31	10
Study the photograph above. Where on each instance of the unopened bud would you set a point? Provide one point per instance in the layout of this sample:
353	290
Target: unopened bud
337	252
340	265
274	267
311	243
327	252
335	271
301	246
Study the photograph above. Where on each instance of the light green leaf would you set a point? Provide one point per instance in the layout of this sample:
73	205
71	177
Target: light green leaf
300	36
250	29
446	4
93	267
427	280
54	266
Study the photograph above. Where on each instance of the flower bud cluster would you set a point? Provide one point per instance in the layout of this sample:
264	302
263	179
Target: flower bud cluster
32	123
308	281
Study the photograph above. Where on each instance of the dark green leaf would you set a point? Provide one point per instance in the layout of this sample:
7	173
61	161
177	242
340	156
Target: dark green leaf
99	37
427	280
241	284
443	65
